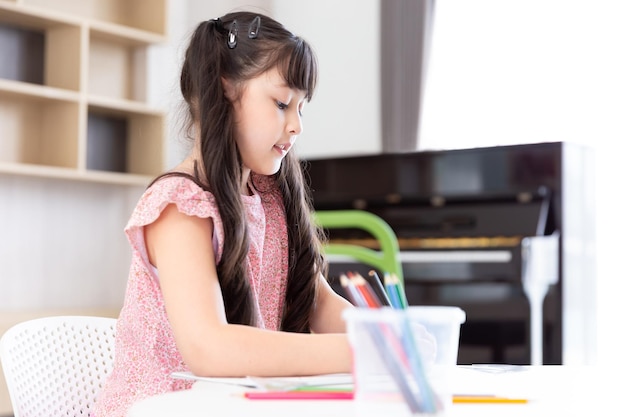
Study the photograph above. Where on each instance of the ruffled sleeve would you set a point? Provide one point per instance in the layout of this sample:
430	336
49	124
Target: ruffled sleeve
189	199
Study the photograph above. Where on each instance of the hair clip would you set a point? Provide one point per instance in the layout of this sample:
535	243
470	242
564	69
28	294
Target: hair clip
217	24
253	29
232	35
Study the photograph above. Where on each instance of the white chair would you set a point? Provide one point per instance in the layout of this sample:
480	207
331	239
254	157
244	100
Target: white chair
55	366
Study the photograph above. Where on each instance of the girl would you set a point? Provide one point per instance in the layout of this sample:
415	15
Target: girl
227	274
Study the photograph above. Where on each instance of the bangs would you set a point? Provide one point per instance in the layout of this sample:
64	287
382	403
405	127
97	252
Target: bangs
299	67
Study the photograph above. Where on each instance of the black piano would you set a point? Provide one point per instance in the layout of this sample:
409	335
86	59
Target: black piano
461	217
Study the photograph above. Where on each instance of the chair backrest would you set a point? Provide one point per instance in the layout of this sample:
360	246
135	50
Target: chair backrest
386	259
55	366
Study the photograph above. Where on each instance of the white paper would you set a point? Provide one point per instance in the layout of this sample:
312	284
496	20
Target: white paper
275	383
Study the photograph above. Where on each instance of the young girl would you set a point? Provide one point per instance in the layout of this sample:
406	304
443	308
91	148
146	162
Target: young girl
227	274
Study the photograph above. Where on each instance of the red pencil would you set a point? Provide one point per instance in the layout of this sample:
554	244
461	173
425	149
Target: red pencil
366	290
299	395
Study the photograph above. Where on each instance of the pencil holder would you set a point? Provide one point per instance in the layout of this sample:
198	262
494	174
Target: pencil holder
402	358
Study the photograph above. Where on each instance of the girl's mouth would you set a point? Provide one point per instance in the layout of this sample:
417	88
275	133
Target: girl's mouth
282	149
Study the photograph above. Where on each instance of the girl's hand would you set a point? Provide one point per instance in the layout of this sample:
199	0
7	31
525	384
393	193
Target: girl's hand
426	343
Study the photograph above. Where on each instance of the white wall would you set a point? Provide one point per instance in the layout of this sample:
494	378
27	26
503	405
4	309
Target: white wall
62	244
344	115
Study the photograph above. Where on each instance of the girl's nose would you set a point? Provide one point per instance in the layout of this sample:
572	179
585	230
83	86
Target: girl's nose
294	126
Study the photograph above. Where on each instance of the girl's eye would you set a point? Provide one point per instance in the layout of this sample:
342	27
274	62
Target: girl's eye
281	105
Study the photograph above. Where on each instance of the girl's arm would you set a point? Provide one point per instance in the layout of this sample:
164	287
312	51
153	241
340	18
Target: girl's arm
180	247
327	316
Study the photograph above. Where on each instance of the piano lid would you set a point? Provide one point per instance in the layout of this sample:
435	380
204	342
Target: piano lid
504	190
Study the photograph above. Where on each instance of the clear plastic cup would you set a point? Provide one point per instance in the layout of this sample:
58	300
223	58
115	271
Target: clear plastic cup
403	359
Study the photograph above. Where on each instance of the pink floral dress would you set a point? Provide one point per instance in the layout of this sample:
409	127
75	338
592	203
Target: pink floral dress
145	353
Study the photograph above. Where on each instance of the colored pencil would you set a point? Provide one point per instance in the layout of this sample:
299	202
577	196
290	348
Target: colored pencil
366	290
431	400
355	297
468	399
400	289
392	292
378	284
299	395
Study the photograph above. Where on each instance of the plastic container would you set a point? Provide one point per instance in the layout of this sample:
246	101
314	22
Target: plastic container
402	359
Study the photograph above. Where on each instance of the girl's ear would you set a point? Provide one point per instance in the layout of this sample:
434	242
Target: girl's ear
229	89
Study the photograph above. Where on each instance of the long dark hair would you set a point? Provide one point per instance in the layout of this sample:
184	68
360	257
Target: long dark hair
261	45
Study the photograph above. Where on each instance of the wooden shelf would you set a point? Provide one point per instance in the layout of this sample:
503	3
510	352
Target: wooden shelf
16	13
18	88
73	101
144	15
129	36
33	170
119	106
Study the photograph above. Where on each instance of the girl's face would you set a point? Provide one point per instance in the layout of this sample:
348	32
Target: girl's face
268	117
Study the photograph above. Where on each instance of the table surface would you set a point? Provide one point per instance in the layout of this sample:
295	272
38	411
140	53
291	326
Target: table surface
551	390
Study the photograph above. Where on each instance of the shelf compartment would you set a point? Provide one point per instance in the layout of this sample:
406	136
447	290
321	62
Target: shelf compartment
124	142
115	69
145	15
23	54
39	50
37	130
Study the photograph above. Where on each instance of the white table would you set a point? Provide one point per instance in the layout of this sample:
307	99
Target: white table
551	390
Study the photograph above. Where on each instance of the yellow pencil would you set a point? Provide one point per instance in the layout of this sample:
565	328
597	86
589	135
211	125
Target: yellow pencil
461	399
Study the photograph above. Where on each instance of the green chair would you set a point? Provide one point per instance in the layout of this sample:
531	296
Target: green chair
386	259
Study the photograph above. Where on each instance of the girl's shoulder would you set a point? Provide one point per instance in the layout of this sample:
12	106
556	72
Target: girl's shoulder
188	196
